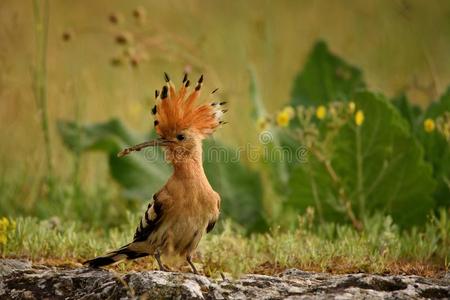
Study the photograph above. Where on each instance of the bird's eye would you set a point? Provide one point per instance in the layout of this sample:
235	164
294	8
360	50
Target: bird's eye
180	137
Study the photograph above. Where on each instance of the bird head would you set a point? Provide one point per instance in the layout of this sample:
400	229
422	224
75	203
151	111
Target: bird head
180	121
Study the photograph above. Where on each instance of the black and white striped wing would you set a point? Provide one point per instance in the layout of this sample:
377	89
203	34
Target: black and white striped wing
150	221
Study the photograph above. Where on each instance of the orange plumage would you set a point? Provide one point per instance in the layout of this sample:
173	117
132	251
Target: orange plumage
176	111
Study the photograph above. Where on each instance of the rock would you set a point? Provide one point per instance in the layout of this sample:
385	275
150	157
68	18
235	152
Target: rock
22	280
7	266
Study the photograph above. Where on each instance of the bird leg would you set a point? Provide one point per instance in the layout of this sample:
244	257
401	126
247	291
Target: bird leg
160	264
194	270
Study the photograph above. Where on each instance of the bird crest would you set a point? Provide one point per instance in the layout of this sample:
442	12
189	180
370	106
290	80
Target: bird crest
177	110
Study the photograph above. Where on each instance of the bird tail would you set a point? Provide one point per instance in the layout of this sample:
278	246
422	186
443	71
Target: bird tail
124	253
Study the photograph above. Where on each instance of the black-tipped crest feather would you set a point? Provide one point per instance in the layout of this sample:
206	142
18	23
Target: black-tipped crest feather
164	92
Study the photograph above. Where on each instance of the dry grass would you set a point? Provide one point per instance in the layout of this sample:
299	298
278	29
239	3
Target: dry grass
330	248
336	266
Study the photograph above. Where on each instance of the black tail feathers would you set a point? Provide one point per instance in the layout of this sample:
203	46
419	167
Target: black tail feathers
114	257
100	261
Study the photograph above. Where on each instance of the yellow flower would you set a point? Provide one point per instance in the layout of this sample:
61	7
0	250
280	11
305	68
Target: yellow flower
429	125
3	239
283	119
4	223
359	117
290	111
321	112
351	107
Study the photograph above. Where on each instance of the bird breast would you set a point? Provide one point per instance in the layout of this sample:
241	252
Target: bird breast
188	206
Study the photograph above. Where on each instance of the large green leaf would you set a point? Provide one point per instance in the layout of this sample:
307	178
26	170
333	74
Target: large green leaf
324	78
437	150
439	107
379	164
437	153
239	187
311	186
108	136
142	174
412	113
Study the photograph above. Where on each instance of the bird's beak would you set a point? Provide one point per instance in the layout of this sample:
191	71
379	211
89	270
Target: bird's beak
139	147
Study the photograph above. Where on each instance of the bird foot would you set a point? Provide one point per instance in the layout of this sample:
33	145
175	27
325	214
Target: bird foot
162	267
194	270
166	268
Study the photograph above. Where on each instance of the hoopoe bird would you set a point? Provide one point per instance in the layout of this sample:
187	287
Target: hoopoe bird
186	207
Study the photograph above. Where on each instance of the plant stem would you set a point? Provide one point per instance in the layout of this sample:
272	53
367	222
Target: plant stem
41	15
342	195
360	179
316	195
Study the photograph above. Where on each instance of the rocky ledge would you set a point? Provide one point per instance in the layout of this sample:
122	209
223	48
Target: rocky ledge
21	280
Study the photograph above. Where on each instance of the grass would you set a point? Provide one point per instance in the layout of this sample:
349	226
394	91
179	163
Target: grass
100	207
382	248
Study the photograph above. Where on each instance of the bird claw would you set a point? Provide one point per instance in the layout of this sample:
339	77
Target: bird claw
161	266
165	268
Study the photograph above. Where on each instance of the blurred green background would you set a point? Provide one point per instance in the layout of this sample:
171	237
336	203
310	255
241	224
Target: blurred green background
105	58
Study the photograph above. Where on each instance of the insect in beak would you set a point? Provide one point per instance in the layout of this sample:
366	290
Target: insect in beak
139	147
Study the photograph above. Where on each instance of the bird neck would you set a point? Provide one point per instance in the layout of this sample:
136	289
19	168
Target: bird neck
190	166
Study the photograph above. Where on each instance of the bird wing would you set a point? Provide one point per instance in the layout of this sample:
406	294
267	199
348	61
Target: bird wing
211	225
150	221
213	221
